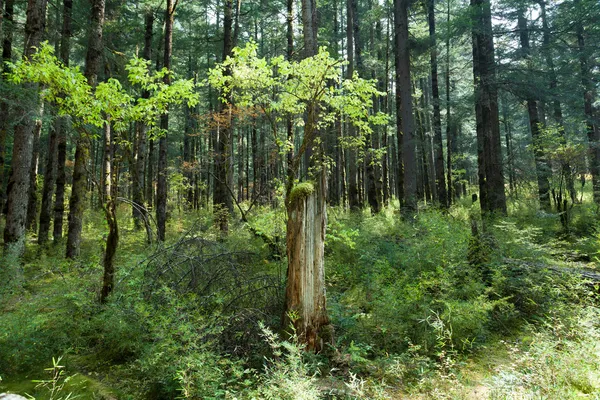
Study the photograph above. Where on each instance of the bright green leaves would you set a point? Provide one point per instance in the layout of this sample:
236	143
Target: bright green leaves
69	90
282	88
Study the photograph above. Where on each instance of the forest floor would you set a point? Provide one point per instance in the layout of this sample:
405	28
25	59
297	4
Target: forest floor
414	319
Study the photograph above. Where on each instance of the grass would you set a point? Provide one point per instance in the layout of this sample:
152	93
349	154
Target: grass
413	318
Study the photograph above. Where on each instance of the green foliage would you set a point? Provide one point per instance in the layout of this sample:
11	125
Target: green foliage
286	376
301	191
68	88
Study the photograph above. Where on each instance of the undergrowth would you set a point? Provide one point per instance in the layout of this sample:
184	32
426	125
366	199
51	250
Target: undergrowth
408	303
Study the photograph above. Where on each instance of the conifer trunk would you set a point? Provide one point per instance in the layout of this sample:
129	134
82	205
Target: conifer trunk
161	189
405	116
82	150
19	181
7	30
489	157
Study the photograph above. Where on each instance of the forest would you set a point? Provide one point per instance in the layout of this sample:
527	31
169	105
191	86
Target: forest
299	199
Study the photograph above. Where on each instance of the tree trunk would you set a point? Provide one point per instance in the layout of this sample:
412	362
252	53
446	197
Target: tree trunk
542	168
161	189
221	198
491	179
19	182
353	196
48	187
408	156
93	61
440	178
139	211
4	106
306	225
589	95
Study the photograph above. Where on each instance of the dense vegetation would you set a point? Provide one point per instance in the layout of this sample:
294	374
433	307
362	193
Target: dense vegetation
358	199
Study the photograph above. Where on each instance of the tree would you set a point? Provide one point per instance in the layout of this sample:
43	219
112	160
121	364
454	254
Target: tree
312	88
19	182
404	116
489	151
543	171
437	119
107	104
161	189
79	185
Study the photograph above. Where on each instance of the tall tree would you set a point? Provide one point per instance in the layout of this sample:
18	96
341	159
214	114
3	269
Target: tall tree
353	195
61	129
140	213
405	117
222	200
543	171
438	144
19	181
589	97
161	188
93	61
489	152
7	30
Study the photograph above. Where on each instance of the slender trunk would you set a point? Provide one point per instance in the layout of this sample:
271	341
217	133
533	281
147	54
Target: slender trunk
221	198
353	196
161	189
589	95
48	188
449	138
491	179
542	168
440	179
23	143
4	106
139	211
78	191
408	155
61	129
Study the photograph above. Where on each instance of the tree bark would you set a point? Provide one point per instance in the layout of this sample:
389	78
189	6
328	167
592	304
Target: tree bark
489	159
161	189
353	195
93	61
542	167
7	29
306	207
589	95
19	182
440	178
408	155
221	198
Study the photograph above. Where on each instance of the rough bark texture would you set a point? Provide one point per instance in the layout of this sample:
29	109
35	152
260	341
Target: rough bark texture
305	291
222	200
19	182
438	144
353	200
449	138
79	188
542	168
306	225
408	155
32	201
60	128
161	189
48	187
489	158
139	210
589	95
7	14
